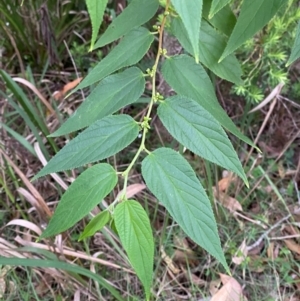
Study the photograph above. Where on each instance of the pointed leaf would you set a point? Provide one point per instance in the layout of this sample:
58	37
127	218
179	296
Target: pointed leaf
198	130
102	139
189	79
296	47
82	196
128	52
216	6
135	232
224	20
190	12
174	183
137	13
211	46
96	224
96	11
113	93
254	15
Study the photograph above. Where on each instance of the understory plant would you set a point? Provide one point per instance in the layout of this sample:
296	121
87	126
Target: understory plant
209	34
264	56
34	32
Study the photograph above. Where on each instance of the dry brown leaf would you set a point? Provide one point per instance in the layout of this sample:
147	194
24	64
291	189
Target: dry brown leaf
181	242
281	170
169	262
214	286
270	250
26	224
59	95
185	256
195	279
183	253
292	245
241	254
230	291
228	202
225	182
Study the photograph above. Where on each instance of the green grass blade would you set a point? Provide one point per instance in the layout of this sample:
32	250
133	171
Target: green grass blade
29	123
41	263
19	138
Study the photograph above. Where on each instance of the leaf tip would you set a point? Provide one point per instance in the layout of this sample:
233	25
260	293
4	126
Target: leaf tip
34	178
244	178
42	236
246	183
226	267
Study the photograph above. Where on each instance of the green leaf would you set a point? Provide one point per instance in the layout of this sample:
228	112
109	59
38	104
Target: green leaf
24	142
190	13
198	130
87	191
224	20
216	6
189	79
60	265
96	224
128	52
96	12
135	14
211	47
135	232
254	15
113	93
296	48
101	140
174	183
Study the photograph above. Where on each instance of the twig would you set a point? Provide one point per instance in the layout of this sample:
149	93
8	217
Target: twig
274	93
265	234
